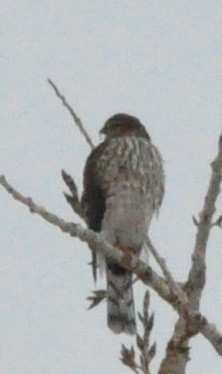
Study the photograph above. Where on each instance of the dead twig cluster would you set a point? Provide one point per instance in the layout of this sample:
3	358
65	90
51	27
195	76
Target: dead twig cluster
96	298
147	353
73	199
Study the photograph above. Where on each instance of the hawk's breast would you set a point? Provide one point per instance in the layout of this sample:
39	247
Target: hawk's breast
132	162
131	175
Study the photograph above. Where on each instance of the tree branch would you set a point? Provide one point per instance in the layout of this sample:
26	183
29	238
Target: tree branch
197	274
97	242
144	272
76	119
210	332
177	352
175	288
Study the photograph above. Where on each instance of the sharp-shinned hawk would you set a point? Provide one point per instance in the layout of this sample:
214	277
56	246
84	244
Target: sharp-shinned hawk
123	187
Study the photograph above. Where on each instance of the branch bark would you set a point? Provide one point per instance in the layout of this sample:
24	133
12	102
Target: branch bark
197	274
177	352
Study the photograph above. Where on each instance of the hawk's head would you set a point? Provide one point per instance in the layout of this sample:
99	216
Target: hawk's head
123	125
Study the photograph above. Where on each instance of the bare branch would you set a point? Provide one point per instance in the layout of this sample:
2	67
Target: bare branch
176	289
97	242
177	352
76	119
139	268
197	275
195	221
210	332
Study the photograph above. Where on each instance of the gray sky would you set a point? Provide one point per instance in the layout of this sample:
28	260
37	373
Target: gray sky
158	60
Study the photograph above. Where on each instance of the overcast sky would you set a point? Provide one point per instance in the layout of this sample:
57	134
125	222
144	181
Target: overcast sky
158	60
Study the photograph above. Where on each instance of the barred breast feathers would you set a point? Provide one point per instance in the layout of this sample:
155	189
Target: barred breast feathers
136	160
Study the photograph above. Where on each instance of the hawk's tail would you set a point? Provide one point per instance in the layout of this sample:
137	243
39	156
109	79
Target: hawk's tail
120	301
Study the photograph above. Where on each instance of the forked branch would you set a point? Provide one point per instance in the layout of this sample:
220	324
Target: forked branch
177	352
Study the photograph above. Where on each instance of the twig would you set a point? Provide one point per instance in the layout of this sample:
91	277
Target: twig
76	119
176	289
147	353
128	358
218	222
96	298
73	199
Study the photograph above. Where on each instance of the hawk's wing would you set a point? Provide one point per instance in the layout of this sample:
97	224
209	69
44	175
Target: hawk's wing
93	199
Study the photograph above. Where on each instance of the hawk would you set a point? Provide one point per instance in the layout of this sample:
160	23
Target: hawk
123	188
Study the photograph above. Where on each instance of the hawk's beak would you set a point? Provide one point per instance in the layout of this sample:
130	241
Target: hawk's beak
102	134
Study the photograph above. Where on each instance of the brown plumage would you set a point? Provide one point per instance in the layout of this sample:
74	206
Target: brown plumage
123	187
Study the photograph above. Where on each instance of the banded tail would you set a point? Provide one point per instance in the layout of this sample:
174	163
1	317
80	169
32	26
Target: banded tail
120	301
